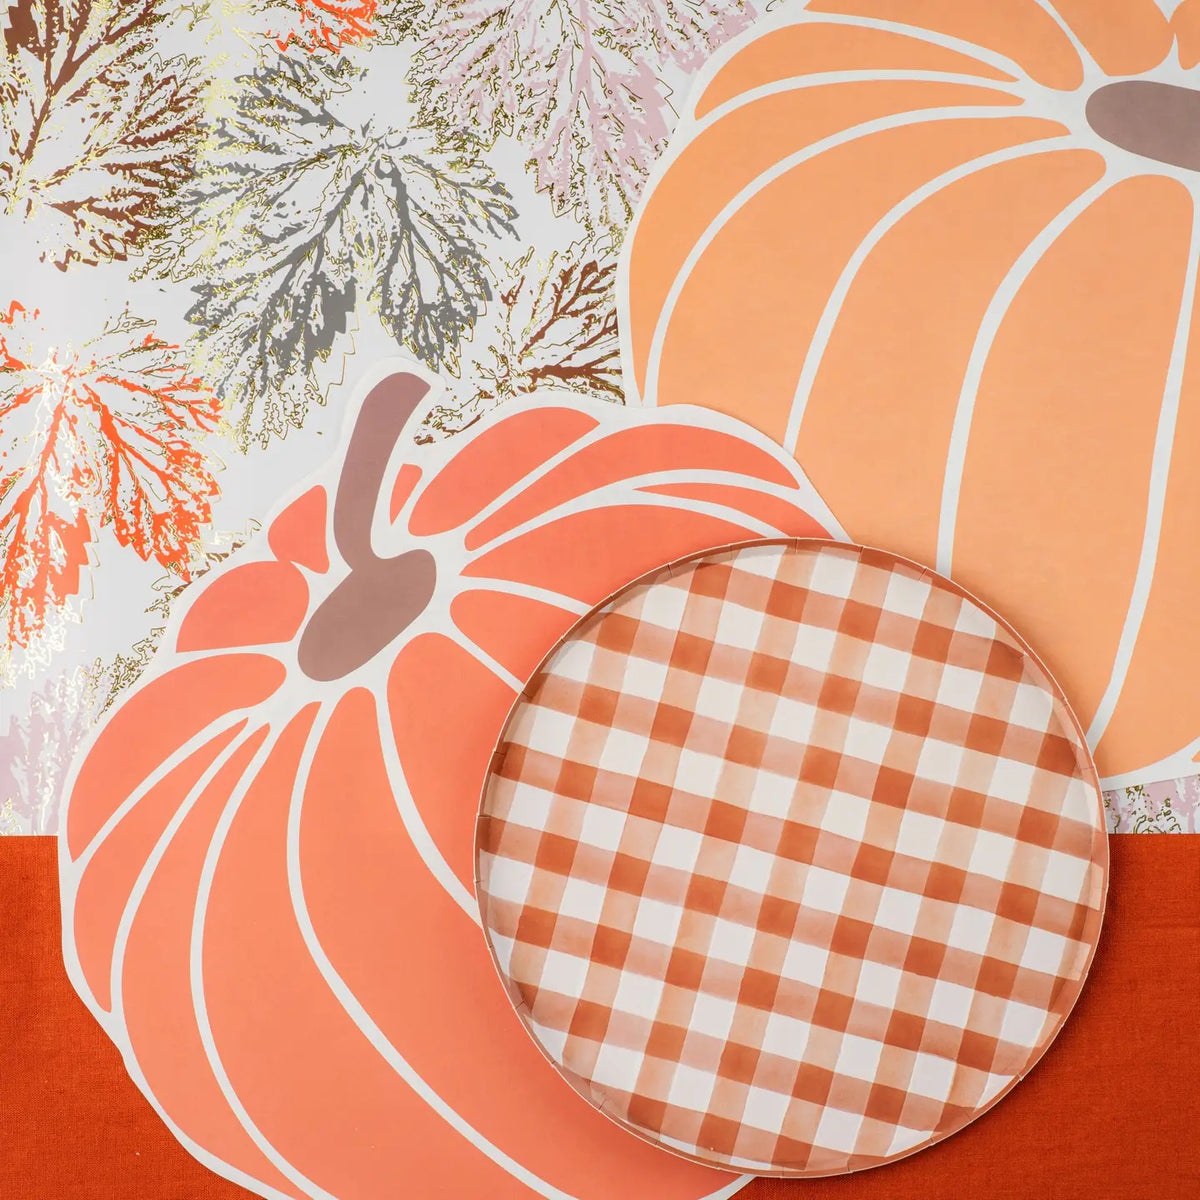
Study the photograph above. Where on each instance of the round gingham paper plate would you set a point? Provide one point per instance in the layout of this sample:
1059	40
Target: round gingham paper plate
792	858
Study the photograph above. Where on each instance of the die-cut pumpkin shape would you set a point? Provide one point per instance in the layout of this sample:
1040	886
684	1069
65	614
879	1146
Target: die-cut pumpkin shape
267	850
945	251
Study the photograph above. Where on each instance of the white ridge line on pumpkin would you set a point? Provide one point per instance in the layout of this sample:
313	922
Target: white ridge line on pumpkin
1160	470
387	535
483	658
524	591
989	326
837	297
350	1003
414	823
176	758
644	499
1086	61
759	29
777	171
804	498
803	495
119	1030
816	79
196	962
72	874
609	419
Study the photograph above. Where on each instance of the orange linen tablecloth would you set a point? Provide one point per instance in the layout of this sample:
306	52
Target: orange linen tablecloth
1111	1113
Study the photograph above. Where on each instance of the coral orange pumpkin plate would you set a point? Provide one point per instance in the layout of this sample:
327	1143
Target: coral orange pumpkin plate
266	857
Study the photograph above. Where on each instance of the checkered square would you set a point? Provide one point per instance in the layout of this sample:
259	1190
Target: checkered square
792	858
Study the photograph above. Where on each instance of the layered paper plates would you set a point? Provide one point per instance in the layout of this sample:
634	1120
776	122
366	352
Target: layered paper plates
792	858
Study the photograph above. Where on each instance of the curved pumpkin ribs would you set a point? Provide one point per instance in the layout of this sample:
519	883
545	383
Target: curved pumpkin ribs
970	318
313	1088
794	51
156	982
602	544
1168	623
1036	40
786	124
773	291
622	456
151	726
114	868
444	1027
1114	281
268	851
440	767
978	224
486	469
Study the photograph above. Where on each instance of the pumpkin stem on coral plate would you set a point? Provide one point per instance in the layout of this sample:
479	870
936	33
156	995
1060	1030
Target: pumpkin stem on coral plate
382	419
379	597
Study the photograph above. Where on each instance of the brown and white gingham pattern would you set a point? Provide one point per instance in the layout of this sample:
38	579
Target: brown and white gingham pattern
792	858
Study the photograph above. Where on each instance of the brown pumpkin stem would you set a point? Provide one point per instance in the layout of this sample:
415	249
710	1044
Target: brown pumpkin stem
1156	120
384	414
380	597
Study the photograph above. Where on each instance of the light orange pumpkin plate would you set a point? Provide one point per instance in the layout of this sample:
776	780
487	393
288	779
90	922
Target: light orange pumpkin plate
946	252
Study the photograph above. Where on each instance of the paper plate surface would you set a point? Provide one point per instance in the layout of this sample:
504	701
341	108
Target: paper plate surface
792	858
